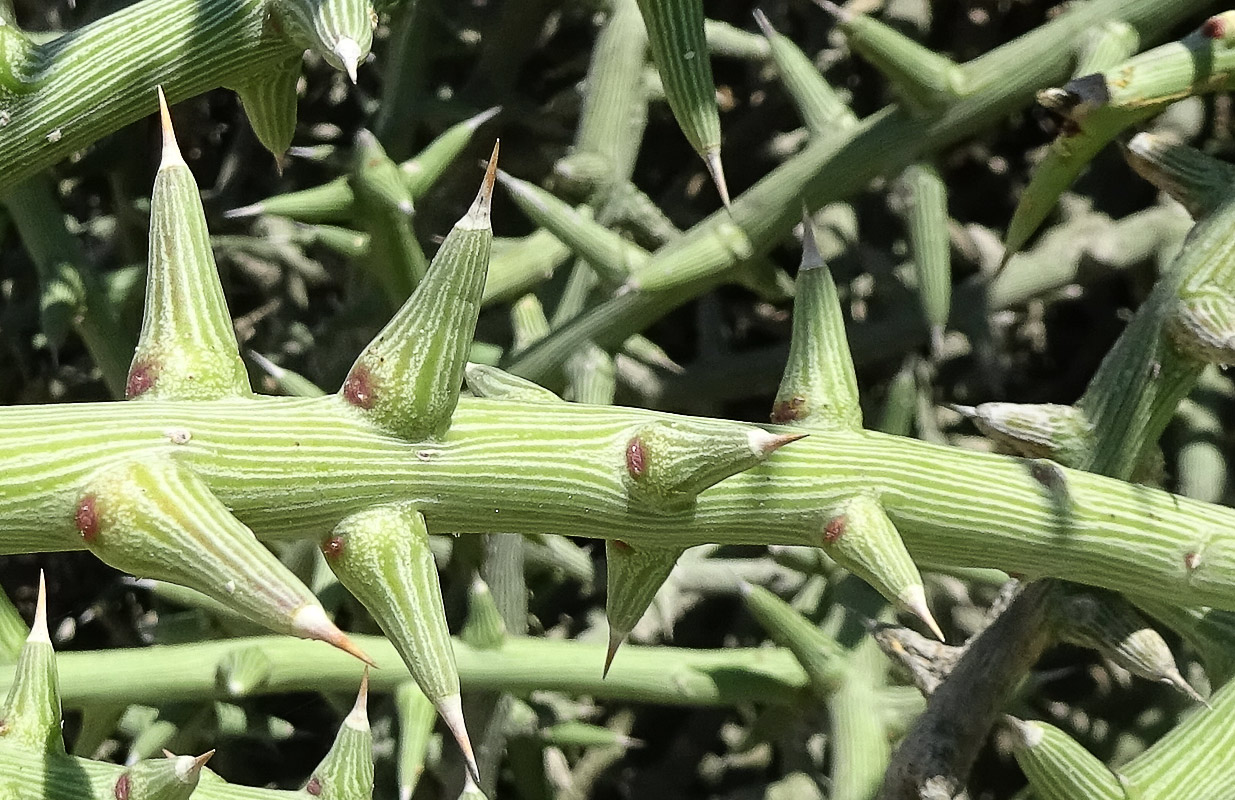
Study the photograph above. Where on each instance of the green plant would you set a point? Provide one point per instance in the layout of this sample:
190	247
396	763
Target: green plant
180	482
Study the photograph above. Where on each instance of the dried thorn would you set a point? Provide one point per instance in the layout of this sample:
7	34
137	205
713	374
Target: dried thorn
310	622
171	150
348	52
450	709
914	601
717	170
479	212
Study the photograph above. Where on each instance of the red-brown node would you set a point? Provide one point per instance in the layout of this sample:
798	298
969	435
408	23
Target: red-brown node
789	410
141	380
332	548
358	388
1214	28
636	458
623	546
121	790
835	528
314	786
87	518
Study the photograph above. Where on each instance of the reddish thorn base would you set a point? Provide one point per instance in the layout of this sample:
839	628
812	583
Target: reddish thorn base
835	528
314	786
358	388
636	458
141	380
87	519
332	548
1214	28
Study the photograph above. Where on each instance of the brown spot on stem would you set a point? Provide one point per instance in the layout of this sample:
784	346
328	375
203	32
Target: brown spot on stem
332	548
636	458
623	547
141	380
87	519
1214	28
835	528
314	786
358	388
789	410
122	787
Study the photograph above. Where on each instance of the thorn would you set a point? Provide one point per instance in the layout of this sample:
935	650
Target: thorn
968	412
168	753
763	443
616	638
913	600
810	248
744	587
832	8
483	117
244	211
479	211
198	763
712	159
171	150
1173	678
450	709
407	208
1027	736
280	161
761	20
348	52
310	622
269	367
38	629
359	716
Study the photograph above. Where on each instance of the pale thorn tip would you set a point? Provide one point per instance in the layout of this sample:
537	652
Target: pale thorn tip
964	411
251	210
835	10
1176	680
280	161
311	622
913	600
616	638
171	150
763	443
407	208
744	587
478	214
717	170
38	628
188	767
1027	735
810	247
269	367
167	753
405	792
450	708
761	20
358	718
483	117
348	52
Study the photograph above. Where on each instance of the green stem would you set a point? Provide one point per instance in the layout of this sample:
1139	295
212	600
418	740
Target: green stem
292	467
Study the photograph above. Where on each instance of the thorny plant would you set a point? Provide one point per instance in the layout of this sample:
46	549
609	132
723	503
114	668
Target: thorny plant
178	483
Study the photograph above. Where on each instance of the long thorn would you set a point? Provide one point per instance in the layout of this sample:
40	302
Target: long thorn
311	622
451	710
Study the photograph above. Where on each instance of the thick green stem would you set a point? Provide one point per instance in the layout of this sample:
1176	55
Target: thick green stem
293	467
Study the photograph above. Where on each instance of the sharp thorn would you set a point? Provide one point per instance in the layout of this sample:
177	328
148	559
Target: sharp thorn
311	622
913	600
835	10
348	52
616	638
269	367
712	159
810	248
38	628
244	211
763	443
450	709
483	117
168	753
171	150
1173	678
201	760
359	716
479	212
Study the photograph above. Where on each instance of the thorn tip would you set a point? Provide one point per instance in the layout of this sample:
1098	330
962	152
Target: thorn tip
38	628
348	52
311	622
712	159
913	600
171	150
450	708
